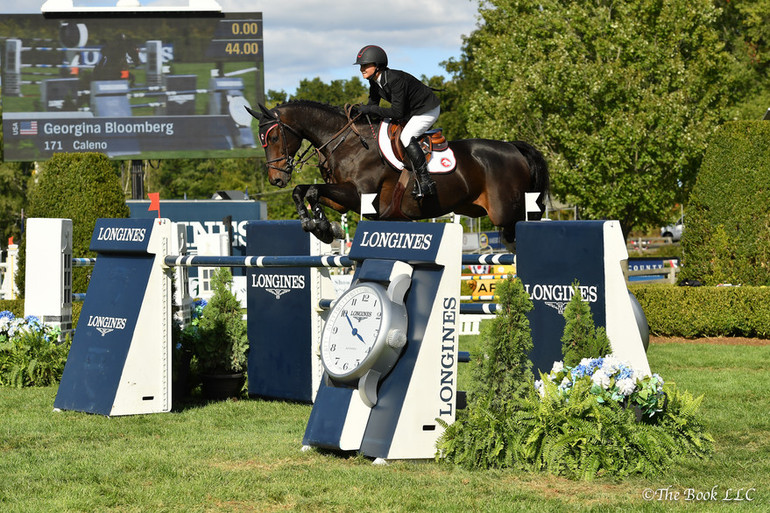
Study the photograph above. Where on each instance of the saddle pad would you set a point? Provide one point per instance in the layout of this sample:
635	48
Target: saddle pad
439	161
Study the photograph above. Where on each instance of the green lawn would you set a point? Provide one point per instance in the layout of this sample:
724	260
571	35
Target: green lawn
245	456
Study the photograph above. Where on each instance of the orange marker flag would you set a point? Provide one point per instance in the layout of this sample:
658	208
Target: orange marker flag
154	202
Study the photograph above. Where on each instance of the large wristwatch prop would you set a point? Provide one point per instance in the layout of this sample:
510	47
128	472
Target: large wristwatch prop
367	328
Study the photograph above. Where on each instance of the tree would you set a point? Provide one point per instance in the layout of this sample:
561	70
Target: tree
621	96
201	178
337	92
13	194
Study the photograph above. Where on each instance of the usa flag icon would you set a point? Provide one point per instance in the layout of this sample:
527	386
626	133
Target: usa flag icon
28	128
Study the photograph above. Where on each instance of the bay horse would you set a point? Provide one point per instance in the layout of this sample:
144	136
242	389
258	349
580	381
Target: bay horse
490	178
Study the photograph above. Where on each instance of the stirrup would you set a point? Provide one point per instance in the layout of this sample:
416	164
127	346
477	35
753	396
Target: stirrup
425	183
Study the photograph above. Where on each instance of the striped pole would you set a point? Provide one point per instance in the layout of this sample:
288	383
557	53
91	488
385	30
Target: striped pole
258	261
499	258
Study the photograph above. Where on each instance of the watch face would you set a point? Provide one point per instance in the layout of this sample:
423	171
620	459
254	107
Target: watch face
352	329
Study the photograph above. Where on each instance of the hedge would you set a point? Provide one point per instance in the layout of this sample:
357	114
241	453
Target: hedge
693	312
727	239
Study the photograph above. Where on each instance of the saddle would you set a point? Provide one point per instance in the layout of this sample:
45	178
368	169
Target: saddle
438	154
431	140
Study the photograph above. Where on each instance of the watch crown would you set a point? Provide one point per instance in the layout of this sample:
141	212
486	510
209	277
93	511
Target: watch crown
396	338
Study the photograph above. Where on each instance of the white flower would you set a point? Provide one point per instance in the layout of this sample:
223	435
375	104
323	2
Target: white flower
557	367
540	388
610	364
601	378
626	386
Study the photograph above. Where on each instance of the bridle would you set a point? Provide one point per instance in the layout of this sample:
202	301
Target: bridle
290	165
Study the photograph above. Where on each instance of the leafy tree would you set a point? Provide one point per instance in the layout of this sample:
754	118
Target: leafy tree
13	194
621	96
337	92
201	178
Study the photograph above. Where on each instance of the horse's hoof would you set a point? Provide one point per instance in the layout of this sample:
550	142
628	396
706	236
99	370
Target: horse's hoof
323	225
327	237
309	225
337	230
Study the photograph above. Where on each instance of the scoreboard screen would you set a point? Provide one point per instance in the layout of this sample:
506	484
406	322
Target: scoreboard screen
147	86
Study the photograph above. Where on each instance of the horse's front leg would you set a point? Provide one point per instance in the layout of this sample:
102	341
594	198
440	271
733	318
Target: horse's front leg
298	195
341	197
317	223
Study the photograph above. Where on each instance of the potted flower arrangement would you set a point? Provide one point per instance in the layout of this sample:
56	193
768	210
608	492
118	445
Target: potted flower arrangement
219	341
609	380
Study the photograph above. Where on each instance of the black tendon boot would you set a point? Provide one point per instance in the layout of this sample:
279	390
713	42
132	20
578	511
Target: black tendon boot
423	183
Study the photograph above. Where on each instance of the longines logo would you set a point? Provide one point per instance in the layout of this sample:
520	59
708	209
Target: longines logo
105	324
278	292
557	296
360	316
392	240
278	284
120	234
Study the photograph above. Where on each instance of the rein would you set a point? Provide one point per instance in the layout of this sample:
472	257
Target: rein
303	159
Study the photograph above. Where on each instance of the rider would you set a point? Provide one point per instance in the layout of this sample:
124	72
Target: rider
410	100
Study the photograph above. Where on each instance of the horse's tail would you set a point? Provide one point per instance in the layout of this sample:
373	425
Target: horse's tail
538	169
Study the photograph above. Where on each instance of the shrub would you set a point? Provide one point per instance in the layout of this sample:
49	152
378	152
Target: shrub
78	186
503	369
30	354
221	343
692	312
580	422
581	338
727	238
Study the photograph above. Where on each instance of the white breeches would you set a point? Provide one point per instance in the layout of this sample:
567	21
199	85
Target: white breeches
417	125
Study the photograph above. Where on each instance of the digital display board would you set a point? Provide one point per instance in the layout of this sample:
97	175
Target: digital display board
132	87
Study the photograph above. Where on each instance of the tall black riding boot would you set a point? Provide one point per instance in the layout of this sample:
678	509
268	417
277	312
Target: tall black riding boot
423	183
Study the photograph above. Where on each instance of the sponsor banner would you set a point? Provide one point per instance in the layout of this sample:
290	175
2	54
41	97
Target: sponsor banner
121	235
280	327
409	242
541	247
107	322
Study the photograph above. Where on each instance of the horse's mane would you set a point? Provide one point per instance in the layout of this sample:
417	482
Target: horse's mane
332	109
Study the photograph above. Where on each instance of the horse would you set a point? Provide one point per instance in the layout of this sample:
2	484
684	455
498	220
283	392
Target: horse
490	177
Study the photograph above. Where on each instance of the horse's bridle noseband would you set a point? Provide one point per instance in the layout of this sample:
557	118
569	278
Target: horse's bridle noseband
302	160
283	127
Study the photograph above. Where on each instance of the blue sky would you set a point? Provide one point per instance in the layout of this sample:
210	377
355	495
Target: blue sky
312	38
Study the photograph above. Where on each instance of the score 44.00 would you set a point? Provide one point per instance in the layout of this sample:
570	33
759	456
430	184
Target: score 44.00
242	48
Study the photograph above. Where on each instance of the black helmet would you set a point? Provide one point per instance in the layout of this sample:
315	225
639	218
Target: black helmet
372	54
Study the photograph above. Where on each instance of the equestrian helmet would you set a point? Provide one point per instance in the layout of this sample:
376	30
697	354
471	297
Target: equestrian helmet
372	54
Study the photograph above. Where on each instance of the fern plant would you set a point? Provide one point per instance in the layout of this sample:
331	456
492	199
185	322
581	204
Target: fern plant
30	359
581	433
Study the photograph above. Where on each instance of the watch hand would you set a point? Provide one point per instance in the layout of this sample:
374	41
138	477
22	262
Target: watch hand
355	331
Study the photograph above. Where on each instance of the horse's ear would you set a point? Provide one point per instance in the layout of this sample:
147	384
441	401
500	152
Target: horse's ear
252	112
267	112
